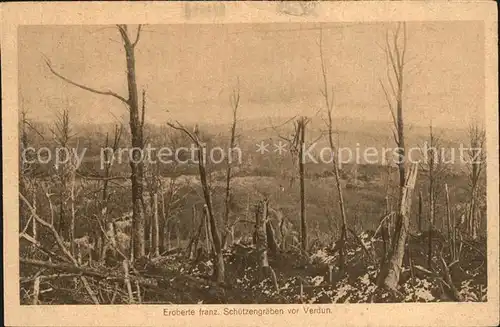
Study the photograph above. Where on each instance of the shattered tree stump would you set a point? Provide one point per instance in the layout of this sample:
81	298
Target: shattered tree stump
261	220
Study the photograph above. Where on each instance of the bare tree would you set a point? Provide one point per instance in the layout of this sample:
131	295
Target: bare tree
301	132
476	162
433	163
389	275
450	224
396	55
28	164
297	146
235	101
108	166
66	170
201	150
328	96
136	129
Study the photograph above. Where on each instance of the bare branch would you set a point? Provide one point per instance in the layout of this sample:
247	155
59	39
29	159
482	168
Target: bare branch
405	37
391	57
391	108
181	128
275	129
90	89
138	35
58	238
396	47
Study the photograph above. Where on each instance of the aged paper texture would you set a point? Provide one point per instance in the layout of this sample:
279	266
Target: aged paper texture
250	163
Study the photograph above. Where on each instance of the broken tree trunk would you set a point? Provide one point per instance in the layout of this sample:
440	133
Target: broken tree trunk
206	225
193	247
216	241
392	272
271	240
265	269
214	246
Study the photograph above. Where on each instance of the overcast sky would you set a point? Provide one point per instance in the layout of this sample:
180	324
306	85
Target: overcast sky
188	71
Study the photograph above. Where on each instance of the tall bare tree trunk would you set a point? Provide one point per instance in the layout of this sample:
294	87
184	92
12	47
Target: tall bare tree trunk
73	168
136	130
137	164
395	55
235	100
329	103
301	124
34	225
156	226
219	260
476	166
431	201
219	271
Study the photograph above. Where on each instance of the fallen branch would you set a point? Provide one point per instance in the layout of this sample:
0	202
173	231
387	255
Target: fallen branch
447	278
41	247
56	235
49	277
60	242
66	268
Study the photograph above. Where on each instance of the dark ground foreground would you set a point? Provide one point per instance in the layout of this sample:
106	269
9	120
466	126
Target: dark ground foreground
175	279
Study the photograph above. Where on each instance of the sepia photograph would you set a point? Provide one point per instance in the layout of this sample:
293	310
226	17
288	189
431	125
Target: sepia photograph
298	161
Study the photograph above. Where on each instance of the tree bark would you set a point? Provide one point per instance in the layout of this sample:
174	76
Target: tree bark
261	220
136	130
301	126
431	207
156	226
235	99
201	151
34	228
393	269
137	164
271	240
